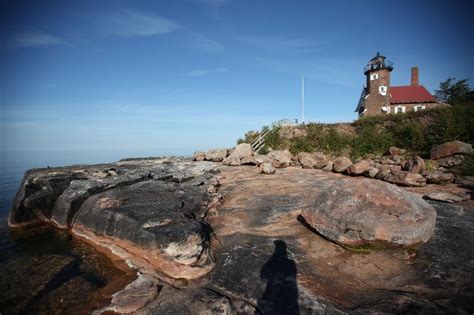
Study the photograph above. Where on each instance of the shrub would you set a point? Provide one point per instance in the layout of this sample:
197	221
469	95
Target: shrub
371	140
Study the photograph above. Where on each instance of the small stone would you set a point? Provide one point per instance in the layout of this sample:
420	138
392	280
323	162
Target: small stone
267	168
372	172
199	156
395	151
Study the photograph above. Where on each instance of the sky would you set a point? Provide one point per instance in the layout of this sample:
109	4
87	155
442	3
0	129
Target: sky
172	77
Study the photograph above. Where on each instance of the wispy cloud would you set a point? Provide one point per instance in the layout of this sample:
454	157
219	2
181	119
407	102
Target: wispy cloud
34	39
215	3
273	43
135	23
200	72
325	70
206	44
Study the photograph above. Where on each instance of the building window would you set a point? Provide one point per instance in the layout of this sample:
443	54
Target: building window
374	76
385	109
383	90
419	107
399	109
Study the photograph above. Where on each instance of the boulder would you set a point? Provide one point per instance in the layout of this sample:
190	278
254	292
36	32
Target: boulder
439	178
449	149
368	212
328	167
241	151
403	178
395	151
199	156
260	159
341	164
216	155
248	160
451	161
280	158
267	168
372	172
359	168
312	160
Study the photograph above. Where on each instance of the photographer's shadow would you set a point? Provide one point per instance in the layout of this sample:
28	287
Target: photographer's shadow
281	293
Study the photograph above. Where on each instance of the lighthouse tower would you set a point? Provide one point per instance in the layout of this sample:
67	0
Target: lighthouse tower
376	95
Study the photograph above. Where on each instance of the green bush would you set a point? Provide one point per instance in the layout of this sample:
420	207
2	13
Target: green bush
371	140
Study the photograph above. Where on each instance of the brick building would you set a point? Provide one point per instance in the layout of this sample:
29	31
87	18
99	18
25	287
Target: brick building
379	97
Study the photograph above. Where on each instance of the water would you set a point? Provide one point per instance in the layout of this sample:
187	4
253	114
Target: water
45	270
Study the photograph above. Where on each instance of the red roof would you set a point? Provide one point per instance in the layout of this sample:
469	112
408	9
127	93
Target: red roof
410	94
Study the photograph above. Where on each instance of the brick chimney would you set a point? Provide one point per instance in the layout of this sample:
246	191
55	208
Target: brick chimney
414	76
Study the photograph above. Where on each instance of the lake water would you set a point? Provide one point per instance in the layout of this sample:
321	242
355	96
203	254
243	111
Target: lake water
45	270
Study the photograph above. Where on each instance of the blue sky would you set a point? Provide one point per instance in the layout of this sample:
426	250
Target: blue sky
171	77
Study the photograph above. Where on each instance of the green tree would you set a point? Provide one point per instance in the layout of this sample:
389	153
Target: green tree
455	93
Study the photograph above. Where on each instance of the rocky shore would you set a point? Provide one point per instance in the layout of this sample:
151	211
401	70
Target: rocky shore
221	235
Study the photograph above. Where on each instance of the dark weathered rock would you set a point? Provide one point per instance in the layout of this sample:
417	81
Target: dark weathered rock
148	207
449	149
38	193
371	212
341	164
155	219
135	295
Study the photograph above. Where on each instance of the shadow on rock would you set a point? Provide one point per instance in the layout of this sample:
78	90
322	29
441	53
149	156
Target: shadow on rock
281	293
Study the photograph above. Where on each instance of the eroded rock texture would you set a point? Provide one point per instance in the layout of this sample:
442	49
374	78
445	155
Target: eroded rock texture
149	212
210	239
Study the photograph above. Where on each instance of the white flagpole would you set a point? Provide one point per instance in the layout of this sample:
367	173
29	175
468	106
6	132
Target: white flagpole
302	99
